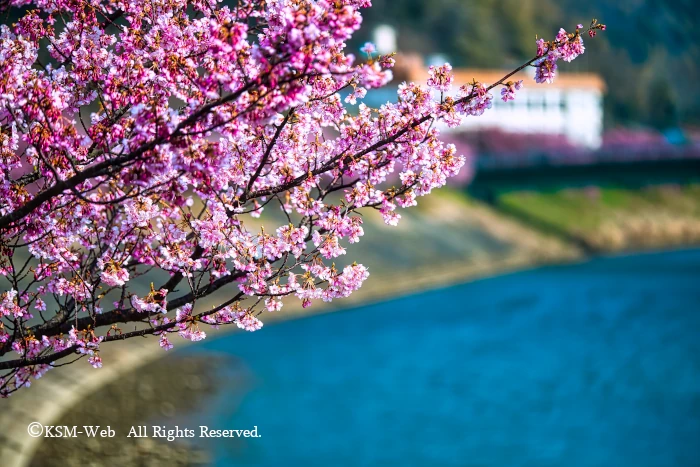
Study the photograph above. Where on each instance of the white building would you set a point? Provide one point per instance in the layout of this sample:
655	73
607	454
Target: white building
572	106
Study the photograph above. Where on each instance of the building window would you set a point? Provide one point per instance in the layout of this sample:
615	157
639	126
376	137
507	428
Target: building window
535	103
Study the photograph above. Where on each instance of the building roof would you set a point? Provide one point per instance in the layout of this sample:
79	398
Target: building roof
411	68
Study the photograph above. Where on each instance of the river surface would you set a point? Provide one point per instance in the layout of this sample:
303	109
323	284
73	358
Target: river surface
594	364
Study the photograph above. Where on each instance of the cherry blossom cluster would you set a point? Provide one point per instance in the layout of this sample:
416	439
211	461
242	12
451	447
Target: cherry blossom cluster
509	88
566	46
140	141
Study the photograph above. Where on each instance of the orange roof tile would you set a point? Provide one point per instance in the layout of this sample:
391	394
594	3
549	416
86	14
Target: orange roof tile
411	68
563	80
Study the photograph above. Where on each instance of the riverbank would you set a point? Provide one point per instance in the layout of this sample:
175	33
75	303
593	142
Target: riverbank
448	239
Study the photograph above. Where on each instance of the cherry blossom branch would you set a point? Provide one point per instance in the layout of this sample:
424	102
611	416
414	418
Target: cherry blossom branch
234	111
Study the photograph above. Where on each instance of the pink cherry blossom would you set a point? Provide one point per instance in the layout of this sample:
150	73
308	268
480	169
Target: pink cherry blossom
138	139
165	343
368	48
546	70
440	78
95	360
248	322
508	90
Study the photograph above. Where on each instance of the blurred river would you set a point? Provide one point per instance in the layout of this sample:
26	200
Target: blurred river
582	365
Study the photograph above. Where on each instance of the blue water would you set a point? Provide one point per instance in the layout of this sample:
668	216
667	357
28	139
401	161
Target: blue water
594	364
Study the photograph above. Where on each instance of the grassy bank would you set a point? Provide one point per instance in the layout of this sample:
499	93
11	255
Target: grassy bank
612	219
